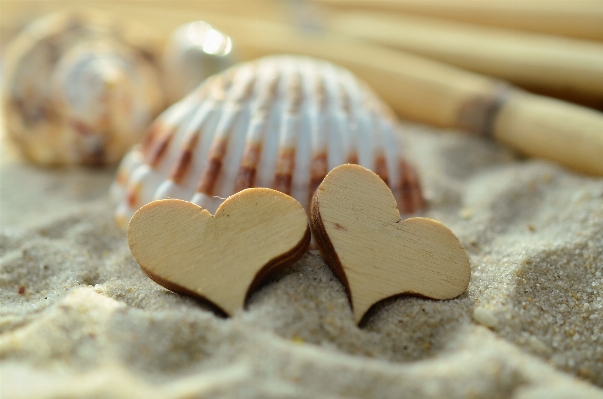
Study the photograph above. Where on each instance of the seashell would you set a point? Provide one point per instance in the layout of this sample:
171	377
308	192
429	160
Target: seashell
280	122
79	89
194	51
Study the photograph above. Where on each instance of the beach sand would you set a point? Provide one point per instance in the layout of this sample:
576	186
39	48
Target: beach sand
78	317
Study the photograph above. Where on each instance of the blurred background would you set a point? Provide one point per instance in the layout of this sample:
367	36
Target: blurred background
523	42
449	64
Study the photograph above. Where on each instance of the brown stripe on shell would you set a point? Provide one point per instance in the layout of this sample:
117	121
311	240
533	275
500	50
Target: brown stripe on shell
321	95
246	93
248	169
352	158
184	160
319	165
346	109
283	177
212	167
149	137
122	177
253	150
91	146
411	197
285	164
381	168
220	84
344	96
318	171
296	95
159	148
133	196
265	102
418	198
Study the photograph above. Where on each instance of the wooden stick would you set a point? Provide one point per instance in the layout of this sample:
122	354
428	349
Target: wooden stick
574	18
548	128
536	61
420	89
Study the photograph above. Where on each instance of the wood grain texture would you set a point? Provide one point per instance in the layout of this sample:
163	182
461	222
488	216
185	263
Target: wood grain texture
373	252
221	258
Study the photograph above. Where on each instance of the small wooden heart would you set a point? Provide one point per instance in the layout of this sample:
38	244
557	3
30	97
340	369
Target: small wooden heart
221	258
375	254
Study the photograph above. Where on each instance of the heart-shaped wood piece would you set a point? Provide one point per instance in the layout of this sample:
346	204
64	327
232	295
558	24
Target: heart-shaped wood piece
221	258
375	254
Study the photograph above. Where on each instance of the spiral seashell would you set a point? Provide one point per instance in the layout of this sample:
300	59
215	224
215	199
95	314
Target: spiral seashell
195	51
280	122
79	89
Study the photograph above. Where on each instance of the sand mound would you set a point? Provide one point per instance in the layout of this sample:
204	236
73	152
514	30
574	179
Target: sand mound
89	323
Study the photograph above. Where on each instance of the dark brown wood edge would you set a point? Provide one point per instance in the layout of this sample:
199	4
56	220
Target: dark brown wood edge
268	271
325	246
384	302
183	291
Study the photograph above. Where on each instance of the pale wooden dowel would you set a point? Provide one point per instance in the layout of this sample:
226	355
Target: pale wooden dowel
548	128
572	18
536	61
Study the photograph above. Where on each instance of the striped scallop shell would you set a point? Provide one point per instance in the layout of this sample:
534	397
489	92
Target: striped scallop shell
281	122
80	88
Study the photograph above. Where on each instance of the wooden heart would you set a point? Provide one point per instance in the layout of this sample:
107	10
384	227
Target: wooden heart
376	255
221	258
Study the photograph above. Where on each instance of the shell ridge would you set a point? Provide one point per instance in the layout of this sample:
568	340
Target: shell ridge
335	150
303	157
186	152
283	178
238	130
239	80
260	110
319	164
280	122
270	141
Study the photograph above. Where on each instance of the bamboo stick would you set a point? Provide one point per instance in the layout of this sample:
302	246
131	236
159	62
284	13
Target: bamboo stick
545	127
537	61
573	18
